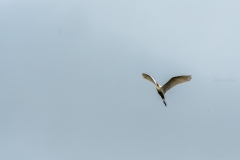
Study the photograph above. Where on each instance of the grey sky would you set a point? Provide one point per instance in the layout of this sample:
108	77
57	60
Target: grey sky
71	84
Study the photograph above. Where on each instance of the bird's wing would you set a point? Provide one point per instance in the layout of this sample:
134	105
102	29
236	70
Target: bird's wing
146	76
174	81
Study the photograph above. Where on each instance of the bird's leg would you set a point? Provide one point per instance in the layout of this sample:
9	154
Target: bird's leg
163	98
164	103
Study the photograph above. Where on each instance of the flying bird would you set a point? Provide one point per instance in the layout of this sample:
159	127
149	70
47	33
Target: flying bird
171	83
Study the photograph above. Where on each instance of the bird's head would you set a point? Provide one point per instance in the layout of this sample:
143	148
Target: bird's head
158	86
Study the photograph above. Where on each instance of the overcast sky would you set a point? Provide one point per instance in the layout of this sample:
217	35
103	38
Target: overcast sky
71	84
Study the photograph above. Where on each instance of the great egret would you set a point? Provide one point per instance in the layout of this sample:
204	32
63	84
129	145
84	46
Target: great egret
171	83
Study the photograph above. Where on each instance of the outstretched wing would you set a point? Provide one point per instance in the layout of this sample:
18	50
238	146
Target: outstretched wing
174	81
147	77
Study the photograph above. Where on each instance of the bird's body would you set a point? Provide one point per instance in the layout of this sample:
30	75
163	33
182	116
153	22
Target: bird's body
171	83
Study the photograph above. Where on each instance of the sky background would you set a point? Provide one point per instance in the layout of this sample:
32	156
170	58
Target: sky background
71	84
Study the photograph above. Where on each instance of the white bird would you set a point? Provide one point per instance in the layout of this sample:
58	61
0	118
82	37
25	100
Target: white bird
171	83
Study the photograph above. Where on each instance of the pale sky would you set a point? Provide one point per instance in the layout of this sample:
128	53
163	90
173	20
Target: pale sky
71	84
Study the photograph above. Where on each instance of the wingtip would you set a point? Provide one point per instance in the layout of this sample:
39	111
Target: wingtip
144	75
